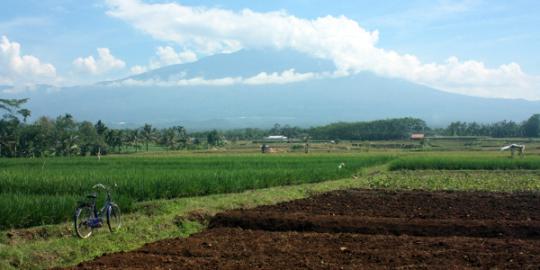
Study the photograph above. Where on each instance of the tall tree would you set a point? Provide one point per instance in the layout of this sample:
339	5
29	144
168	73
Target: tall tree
531	127
100	127
214	138
25	113
10	125
66	136
88	137
133	138
147	134
114	139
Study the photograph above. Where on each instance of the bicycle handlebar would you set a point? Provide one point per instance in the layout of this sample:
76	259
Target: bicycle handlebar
104	187
96	186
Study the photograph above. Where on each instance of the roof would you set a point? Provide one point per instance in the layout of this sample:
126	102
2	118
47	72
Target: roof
276	137
417	136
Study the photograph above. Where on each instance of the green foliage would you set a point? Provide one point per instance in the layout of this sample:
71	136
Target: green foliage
64	136
148	134
465	162
11	105
214	138
531	127
502	181
46	189
389	129
502	129
174	138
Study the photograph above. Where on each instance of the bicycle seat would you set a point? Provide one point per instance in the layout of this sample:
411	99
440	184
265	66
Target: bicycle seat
91	196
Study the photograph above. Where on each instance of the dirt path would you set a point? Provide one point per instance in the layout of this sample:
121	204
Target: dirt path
358	229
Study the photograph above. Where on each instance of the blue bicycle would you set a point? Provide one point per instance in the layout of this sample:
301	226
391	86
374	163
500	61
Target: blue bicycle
87	217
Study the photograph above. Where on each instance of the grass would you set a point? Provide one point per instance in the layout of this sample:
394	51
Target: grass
465	162
481	180
54	245
45	191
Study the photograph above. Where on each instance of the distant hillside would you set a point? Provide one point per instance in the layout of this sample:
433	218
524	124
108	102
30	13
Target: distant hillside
364	96
243	63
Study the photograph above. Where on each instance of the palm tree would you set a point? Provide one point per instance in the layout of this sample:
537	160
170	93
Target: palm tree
11	104
168	138
133	139
25	113
147	134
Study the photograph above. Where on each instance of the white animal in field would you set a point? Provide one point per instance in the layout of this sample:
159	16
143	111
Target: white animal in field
341	165
513	147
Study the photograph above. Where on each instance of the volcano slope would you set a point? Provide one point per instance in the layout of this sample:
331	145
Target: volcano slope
357	229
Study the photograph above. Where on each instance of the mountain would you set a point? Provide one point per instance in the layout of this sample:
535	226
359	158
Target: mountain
244	63
363	96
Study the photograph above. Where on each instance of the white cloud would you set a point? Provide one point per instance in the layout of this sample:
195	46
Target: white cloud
22	70
342	40
286	76
105	62
166	56
138	69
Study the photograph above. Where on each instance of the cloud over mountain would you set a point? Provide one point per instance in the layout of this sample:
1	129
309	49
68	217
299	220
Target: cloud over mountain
284	77
104	63
352	48
166	56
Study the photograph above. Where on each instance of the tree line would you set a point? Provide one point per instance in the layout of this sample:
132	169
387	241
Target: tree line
388	129
392	129
503	129
64	136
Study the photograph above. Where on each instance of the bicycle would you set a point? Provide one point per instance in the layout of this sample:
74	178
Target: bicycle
87	217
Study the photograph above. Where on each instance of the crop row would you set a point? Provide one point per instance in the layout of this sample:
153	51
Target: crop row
438	162
480	180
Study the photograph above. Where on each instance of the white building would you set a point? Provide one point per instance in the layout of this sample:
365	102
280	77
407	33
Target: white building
275	138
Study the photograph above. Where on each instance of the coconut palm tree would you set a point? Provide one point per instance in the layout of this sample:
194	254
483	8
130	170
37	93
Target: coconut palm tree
147	134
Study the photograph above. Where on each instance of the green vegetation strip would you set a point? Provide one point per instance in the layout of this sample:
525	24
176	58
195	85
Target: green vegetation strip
465	162
54	245
496	181
45	191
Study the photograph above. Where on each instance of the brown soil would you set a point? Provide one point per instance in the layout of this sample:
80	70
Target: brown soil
358	229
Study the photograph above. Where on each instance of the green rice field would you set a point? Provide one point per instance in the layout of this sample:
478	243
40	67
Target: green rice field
46	191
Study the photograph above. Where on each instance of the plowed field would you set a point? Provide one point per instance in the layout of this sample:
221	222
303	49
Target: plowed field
358	229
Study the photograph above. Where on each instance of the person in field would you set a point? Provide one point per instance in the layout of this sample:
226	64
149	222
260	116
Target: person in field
515	147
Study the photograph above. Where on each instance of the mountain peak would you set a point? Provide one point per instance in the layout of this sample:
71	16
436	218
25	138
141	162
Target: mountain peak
244	63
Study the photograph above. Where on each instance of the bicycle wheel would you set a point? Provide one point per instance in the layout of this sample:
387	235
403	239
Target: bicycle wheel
113	218
83	215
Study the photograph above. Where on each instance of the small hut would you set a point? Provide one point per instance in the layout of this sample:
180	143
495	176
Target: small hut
418	136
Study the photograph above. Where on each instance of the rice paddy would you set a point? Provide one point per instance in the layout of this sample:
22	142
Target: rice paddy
46	191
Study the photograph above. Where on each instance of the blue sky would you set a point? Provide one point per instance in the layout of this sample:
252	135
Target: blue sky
494	33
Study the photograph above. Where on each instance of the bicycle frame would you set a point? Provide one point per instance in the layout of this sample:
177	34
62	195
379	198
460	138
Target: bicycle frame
109	214
97	219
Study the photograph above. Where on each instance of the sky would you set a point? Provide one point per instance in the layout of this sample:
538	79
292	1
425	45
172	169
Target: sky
474	47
